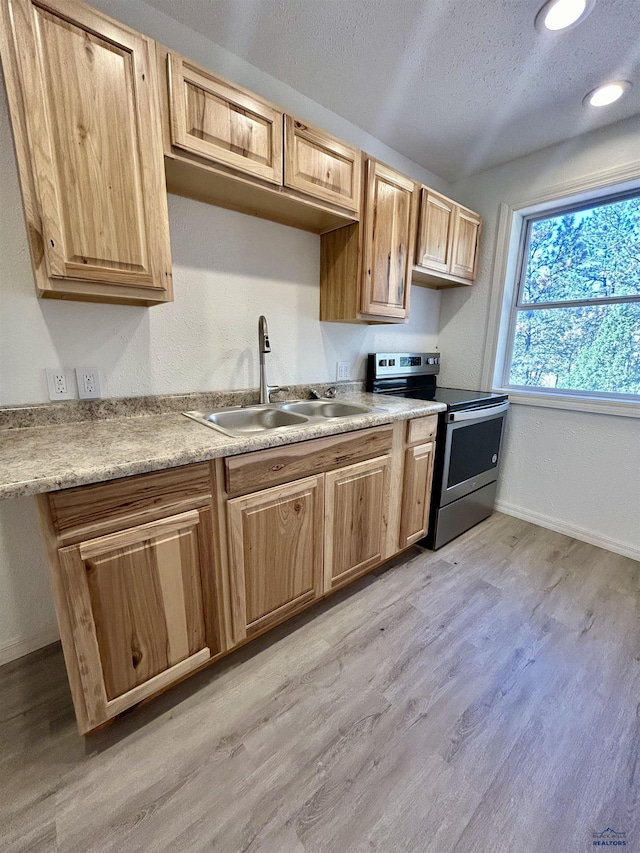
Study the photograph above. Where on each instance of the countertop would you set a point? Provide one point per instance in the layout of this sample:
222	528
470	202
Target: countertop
60	456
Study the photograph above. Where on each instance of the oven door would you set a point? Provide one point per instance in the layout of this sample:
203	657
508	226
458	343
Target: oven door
472	451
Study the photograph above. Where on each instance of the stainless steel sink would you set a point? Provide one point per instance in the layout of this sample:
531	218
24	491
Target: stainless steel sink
241	421
326	408
248	421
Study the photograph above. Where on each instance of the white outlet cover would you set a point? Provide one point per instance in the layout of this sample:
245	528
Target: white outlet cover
53	384
343	371
88	383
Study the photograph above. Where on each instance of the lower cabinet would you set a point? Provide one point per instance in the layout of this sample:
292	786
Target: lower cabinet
356	512
416	493
275	553
290	544
136	605
155	575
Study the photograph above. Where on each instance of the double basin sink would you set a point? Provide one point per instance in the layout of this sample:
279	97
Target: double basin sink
241	421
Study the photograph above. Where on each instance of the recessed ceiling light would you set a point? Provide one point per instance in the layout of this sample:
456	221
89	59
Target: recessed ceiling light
561	14
606	94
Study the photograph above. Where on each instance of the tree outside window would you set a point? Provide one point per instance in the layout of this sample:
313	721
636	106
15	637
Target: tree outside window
576	324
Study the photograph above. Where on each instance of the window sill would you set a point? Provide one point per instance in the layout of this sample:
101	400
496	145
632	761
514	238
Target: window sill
574	403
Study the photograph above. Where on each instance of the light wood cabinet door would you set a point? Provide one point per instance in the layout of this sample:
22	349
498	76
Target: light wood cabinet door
84	105
275	553
416	493
447	249
223	123
140	608
322	166
464	254
388	240
356	515
436	231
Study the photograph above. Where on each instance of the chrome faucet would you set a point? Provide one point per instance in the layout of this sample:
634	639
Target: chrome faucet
263	348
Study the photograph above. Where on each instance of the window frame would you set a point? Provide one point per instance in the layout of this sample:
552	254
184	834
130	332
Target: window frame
507	282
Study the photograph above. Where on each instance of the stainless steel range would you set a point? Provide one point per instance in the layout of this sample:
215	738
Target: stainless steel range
468	441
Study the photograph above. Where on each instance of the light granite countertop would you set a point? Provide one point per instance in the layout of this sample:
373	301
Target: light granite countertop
63	455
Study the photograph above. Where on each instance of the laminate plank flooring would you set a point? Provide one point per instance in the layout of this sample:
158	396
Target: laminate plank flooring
481	698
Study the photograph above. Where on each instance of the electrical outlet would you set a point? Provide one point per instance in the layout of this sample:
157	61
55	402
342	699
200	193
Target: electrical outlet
88	383
60	384
343	371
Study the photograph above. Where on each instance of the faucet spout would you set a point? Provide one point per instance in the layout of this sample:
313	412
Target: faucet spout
263	348
263	335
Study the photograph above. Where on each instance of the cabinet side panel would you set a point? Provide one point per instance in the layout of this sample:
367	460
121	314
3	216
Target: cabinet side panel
62	613
340	274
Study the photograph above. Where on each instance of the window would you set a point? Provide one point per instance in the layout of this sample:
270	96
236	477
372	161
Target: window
575	322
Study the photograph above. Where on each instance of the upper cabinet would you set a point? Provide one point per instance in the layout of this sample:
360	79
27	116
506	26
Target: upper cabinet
105	121
389	227
466	233
229	147
365	269
447	247
321	166
86	122
222	123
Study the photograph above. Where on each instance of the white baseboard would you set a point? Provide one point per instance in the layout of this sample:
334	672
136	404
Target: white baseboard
17	648
580	533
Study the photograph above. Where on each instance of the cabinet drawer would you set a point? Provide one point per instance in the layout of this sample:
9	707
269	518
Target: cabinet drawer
422	429
102	508
254	471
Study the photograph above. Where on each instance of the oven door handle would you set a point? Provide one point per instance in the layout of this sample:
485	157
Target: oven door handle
478	414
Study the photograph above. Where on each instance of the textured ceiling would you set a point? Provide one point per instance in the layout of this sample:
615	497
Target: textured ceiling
455	85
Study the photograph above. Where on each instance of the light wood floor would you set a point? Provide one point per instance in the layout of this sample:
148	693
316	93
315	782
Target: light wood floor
484	698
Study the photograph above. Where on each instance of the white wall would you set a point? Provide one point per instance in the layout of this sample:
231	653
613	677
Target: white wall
574	471
228	269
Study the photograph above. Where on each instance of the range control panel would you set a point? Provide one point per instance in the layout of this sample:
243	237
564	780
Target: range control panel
385	365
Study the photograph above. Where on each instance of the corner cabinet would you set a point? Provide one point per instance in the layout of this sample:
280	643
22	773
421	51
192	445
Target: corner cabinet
447	245
86	122
365	269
